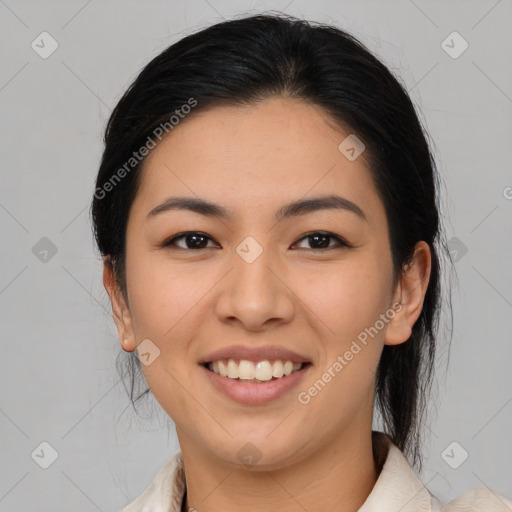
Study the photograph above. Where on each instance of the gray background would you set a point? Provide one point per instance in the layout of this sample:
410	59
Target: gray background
58	380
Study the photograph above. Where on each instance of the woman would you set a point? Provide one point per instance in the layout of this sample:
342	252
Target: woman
267	211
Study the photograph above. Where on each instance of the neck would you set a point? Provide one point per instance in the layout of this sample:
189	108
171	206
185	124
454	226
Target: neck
338	477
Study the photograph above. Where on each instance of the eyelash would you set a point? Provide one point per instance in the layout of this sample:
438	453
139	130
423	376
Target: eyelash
341	242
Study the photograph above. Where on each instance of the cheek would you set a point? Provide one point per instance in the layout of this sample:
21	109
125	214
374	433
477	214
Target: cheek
349	301
159	296
165	306
347	297
168	306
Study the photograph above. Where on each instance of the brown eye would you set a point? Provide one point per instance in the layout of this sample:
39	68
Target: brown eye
194	240
321	240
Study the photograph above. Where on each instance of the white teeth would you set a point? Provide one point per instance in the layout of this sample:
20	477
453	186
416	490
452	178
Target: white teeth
248	370
222	368
277	369
263	370
232	369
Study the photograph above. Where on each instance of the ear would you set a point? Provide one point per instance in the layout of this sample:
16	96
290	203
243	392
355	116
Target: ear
122	316
410	294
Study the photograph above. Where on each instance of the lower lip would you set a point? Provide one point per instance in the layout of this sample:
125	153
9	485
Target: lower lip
255	393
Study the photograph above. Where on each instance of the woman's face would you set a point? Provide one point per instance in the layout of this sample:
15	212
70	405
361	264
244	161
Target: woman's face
254	279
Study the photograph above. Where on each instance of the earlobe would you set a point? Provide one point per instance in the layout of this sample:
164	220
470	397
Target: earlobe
120	310
410	293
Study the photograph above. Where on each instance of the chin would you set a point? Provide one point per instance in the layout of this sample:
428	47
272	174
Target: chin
259	453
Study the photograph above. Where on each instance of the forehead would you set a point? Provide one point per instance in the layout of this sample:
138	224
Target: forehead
252	157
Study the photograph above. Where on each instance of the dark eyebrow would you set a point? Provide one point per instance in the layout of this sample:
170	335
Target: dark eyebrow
300	207
331	202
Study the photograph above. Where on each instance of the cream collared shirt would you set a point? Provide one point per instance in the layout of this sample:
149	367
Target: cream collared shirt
397	489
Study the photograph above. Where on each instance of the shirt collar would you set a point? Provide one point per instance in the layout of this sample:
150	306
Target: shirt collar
397	488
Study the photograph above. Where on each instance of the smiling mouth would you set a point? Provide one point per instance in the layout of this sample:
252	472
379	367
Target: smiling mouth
255	372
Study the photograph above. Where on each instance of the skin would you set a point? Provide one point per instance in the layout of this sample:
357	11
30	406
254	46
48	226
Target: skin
189	302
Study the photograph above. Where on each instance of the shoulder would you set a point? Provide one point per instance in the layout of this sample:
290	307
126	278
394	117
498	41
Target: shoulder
479	500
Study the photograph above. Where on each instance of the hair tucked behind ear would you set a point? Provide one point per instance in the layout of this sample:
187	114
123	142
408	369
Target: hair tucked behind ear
243	61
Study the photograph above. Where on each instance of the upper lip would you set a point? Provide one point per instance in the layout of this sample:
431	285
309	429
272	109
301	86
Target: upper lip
255	354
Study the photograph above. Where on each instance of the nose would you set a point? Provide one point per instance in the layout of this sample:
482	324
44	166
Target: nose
255	294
